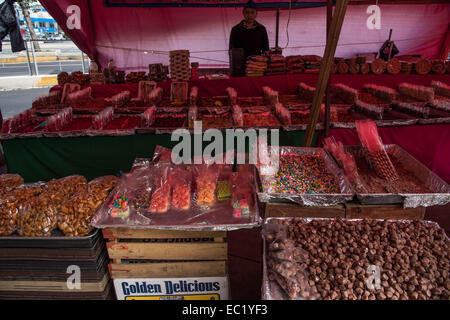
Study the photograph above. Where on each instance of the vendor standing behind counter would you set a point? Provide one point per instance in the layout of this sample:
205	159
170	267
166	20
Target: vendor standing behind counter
247	38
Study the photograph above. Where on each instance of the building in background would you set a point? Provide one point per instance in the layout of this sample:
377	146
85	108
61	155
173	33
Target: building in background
43	23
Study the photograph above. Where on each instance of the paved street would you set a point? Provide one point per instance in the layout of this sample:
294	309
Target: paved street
16	101
45	67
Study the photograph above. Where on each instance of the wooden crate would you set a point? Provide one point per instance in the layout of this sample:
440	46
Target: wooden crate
293	210
358	211
165	253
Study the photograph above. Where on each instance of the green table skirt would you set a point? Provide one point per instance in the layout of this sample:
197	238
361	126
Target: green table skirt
42	159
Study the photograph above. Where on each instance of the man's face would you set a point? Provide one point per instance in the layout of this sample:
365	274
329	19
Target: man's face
250	14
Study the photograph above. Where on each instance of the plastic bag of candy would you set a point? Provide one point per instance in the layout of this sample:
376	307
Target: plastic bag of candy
80	97
374	150
232	96
238	116
193	96
148	117
101	120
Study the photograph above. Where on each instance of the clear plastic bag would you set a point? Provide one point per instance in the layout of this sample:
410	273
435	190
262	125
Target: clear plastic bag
193	96
181	188
9	210
43	101
144	90
76	213
68	89
206	177
420	93
60	120
156	96
161	197
79	97
374	150
121	99
101	187
306	92
40	215
284	114
346	93
148	117
192	115
270	96
238	116
103	118
383	93
232	96
178	91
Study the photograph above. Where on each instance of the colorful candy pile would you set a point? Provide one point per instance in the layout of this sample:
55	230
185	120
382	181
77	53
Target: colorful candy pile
301	174
120	206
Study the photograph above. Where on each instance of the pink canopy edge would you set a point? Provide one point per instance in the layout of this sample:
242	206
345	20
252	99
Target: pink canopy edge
135	37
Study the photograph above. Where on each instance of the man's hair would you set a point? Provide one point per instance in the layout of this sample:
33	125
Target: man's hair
250	4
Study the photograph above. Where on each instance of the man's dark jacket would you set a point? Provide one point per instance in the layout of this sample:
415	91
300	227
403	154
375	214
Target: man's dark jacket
9	25
254	41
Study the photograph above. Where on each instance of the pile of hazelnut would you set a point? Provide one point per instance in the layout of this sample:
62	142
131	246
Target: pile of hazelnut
335	259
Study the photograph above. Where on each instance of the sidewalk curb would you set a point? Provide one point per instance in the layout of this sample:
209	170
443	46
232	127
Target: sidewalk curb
39	59
27	82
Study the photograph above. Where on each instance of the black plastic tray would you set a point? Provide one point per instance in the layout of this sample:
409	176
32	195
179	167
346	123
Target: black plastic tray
56	240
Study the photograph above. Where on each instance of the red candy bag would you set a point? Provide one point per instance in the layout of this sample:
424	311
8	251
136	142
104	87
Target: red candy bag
374	150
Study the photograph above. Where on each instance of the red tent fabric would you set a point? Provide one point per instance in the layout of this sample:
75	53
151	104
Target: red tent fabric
137	36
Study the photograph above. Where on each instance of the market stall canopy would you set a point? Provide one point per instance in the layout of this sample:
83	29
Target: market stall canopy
136	33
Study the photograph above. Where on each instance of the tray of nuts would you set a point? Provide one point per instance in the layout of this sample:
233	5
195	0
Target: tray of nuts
416	186
354	259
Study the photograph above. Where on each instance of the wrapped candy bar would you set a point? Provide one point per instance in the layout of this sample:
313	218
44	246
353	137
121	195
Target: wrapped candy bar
80	97
346	93
440	88
178	91
232	96
346	161
306	92
68	89
238	117
43	101
59	121
372	110
283	114
270	95
416	109
156	96
442	96
148	117
100	120
144	90
192	115
383	93
420	93
193	96
121	99
374	150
